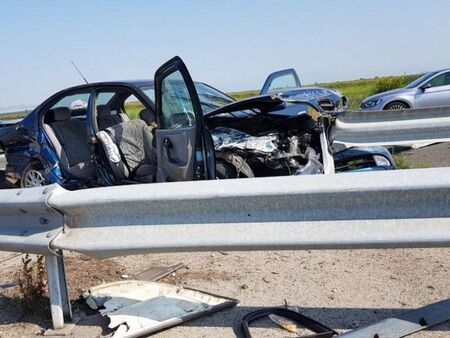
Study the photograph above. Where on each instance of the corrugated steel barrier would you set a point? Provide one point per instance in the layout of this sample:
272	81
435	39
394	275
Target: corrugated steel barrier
392	127
404	208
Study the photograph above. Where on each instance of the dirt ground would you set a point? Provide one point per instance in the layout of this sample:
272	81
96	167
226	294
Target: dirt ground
343	289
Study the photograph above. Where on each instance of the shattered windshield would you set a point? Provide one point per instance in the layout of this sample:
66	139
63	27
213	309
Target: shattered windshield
211	98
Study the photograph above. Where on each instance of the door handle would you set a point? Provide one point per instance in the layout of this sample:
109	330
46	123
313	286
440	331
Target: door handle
167	144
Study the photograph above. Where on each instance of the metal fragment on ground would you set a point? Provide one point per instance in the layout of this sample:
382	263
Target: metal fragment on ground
406	323
157	273
142	307
286	323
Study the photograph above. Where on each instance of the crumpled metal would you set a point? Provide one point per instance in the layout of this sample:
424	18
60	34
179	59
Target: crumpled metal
228	138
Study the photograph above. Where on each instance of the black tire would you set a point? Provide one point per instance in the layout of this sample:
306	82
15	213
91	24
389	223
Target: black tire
33	176
396	105
225	170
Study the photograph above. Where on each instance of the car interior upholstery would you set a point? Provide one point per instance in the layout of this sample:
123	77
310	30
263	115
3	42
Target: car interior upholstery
107	118
69	139
134	140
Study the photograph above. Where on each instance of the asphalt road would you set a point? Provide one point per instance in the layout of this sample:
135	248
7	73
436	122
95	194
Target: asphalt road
436	155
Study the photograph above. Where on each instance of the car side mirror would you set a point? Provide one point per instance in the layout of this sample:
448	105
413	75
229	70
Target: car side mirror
22	132
425	86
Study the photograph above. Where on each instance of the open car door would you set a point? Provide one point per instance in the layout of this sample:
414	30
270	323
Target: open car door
185	149
281	81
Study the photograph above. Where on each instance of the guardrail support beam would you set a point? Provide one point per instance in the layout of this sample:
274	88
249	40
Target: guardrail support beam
57	290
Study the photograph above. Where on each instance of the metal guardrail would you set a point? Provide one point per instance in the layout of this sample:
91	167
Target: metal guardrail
361	210
27	222
392	127
407	208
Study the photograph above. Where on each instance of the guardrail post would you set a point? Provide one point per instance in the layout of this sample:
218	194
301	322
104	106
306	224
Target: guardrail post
57	290
328	160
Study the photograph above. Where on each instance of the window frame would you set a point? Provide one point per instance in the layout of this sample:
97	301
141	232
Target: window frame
134	90
446	76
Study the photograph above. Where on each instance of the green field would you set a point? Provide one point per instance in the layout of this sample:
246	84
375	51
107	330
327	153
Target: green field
356	91
13	116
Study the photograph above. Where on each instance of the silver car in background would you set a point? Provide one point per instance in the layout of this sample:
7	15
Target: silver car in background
430	90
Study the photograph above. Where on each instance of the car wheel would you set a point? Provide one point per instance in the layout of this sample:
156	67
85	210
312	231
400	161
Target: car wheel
33	176
225	170
396	106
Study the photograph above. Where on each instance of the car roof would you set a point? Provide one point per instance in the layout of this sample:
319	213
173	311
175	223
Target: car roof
441	70
112	83
138	83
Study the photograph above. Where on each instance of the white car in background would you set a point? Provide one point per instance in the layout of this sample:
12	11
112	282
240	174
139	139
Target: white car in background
430	90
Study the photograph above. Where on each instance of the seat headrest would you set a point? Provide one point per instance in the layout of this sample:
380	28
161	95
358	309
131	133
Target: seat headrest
61	114
148	116
103	110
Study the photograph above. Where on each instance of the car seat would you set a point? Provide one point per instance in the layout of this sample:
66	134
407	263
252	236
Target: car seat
130	152
69	138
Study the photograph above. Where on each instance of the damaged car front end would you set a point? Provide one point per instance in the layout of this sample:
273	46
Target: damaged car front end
274	135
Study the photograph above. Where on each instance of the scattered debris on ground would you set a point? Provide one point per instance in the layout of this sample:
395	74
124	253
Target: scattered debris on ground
289	319
345	289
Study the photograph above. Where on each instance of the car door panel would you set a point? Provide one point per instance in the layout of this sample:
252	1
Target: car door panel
180	139
433	97
175	152
282	80
436	95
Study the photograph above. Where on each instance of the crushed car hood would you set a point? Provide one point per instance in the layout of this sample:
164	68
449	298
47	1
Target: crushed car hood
265	104
261	104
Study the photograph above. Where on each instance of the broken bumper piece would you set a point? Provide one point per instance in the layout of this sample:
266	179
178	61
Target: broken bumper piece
139	308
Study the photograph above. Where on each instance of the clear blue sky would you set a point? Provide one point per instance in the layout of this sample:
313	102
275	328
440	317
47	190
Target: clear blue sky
230	44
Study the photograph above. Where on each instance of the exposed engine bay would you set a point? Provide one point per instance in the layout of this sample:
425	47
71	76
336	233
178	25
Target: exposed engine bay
266	145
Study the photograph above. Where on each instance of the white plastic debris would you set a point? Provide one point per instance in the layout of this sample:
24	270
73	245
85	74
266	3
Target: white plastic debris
138	308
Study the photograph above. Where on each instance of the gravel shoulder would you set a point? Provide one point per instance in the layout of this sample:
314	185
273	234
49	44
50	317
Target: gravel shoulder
343	289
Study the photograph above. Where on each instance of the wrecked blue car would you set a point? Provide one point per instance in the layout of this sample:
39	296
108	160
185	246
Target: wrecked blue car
172	129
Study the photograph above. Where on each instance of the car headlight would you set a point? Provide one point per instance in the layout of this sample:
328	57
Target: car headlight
381	161
371	103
